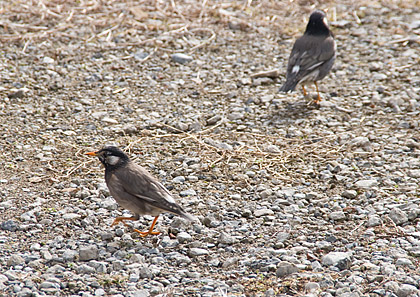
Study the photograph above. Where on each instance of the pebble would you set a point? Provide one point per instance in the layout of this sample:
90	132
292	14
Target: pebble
263	212
337	215
406	290
183	237
374	220
334	258
189	192
366	183
88	253
398	216
350	194
181	58
195	252
9	225
15	260
285	268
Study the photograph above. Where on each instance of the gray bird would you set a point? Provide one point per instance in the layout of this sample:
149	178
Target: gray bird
135	189
312	55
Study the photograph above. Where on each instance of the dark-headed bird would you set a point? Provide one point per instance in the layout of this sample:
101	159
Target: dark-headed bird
312	55
135	189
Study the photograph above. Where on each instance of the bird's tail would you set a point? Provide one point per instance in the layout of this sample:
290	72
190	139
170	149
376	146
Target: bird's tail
189	217
289	85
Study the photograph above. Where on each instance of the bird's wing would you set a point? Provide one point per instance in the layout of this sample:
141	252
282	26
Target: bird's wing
137	183
308	54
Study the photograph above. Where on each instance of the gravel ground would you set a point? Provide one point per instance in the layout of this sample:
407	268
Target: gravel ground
293	198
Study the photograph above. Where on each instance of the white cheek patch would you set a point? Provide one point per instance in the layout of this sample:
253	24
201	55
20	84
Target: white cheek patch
295	69
325	21
112	160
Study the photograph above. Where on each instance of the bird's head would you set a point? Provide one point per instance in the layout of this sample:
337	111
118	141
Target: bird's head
111	156
318	24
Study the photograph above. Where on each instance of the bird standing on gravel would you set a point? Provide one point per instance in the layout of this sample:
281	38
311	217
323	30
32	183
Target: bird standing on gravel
312	56
135	189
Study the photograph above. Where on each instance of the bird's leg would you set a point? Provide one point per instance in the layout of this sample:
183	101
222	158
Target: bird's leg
150	232
304	91
318	99
122	219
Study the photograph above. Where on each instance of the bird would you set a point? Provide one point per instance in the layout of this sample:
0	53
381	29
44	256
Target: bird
312	55
135	189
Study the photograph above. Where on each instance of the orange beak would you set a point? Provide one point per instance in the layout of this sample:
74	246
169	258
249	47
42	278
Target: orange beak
91	153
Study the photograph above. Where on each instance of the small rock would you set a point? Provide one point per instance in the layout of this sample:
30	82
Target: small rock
403	262
360	142
213	120
285	268
263	212
374	220
349	194
88	253
9	225
337	215
398	216
69	255
183	237
179	179
225	238
189	192
366	183
194	252
334	258
406	290
15	260
312	287
230	262
181	58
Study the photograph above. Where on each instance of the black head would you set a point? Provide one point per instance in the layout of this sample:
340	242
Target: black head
317	24
111	156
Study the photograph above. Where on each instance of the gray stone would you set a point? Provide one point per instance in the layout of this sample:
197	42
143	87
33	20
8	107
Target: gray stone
138	293
312	287
225	238
183	237
195	252
406	290
366	183
360	141
69	255
9	225
337	215
145	272
15	260
349	194
374	220
100	292
403	262
398	216
263	212
88	253
179	179
334	258
230	262
71	216
86	269
181	58
189	192
285	268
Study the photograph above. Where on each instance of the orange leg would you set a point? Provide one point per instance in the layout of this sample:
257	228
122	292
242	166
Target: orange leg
122	219
318	99
304	91
150	232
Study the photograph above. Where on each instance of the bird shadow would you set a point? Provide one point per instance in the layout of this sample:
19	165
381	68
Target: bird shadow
293	110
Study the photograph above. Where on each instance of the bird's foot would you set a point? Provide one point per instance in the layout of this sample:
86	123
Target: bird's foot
144	234
122	220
